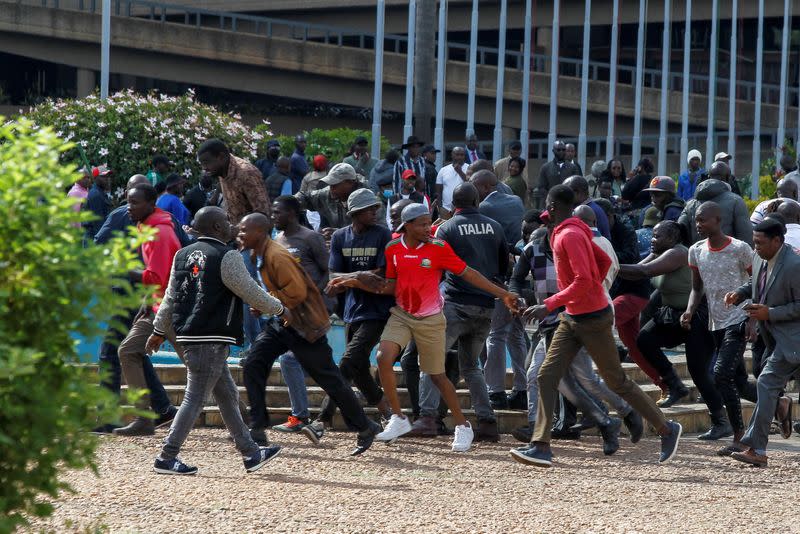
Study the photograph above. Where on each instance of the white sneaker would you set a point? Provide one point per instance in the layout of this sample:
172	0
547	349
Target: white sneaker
396	427
462	441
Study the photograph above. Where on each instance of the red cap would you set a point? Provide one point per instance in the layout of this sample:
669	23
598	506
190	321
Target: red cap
408	173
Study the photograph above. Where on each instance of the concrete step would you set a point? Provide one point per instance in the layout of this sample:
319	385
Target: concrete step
693	417
279	395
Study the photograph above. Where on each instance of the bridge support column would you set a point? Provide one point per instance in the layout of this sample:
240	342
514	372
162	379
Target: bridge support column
86	82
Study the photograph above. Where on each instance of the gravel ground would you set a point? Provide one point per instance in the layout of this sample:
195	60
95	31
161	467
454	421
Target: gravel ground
420	486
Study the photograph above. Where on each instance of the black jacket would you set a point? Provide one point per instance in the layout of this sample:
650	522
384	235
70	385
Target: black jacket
204	310
626	245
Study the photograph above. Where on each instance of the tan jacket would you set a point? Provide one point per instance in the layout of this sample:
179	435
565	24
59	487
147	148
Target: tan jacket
287	281
243	190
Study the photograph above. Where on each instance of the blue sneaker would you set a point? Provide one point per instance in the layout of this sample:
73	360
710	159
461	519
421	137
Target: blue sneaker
669	444
533	456
173	467
265	454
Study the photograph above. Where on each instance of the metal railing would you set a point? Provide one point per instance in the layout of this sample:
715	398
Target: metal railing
334	35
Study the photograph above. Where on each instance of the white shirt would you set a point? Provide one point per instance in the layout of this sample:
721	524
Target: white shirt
792	237
449	179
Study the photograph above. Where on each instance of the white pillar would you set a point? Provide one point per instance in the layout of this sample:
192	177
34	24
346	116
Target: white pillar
497	141
757	115
732	83
612	82
412	25
687	45
524	132
587	26
473	69
784	76
665	72
105	48
377	102
441	63
637	106
712	85
552	129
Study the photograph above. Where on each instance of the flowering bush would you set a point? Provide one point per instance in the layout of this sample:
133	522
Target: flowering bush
128	129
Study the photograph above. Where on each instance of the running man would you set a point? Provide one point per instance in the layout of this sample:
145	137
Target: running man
415	263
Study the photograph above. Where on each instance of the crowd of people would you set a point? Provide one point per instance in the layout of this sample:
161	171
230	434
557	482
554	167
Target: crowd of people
446	271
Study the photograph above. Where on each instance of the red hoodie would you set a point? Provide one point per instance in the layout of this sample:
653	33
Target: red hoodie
158	254
581	267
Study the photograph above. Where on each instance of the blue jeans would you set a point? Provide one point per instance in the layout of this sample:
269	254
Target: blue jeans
505	332
252	325
295	379
109	361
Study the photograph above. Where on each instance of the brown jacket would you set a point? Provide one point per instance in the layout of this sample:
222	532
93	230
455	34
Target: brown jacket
287	281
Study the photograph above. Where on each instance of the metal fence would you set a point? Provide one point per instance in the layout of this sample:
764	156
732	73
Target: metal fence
339	36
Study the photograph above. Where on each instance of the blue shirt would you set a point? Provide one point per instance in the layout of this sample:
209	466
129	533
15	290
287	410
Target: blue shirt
351	252
172	204
602	219
687	183
99	204
118	221
298	168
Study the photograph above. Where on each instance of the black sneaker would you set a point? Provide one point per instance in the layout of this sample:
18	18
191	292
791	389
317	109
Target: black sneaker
265	454
314	431
533	456
365	438
669	444
565	434
610	433
104	429
635	425
518	400
259	435
523	433
173	467
499	400
165	419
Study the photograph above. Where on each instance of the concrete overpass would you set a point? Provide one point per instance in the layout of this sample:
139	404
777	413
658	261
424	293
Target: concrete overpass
319	72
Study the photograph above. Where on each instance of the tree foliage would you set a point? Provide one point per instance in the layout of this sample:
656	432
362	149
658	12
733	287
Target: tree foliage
52	290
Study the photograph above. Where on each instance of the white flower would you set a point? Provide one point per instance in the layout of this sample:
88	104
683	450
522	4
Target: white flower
84	144
104	152
187	172
101	125
119	135
134	146
72	124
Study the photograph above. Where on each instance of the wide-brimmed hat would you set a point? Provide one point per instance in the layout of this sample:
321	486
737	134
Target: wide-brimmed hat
411	212
361	199
661	184
651	217
412	141
341	172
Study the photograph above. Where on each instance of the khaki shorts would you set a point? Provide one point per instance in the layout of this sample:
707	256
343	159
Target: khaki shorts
428	332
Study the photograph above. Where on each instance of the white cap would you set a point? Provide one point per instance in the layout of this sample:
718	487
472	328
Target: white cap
722	156
694	153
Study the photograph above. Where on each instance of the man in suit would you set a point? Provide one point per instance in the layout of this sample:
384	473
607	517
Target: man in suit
474	153
505	331
553	173
773	287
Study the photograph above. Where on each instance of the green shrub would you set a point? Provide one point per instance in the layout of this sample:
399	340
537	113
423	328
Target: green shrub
334	144
128	129
51	290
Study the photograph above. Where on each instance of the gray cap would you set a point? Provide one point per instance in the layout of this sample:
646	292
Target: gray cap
411	212
341	172
361	199
598	167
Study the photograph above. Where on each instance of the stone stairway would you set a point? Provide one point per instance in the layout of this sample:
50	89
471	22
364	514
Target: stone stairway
691	414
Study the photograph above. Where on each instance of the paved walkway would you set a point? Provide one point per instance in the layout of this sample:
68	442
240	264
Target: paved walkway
420	486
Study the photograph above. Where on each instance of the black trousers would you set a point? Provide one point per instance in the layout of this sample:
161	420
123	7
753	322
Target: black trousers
730	373
361	337
317	360
699	351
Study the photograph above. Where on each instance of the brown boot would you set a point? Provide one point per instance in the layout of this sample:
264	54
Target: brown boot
140	426
487	431
424	426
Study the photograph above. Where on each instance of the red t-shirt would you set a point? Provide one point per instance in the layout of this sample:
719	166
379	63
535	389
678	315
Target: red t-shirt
418	272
